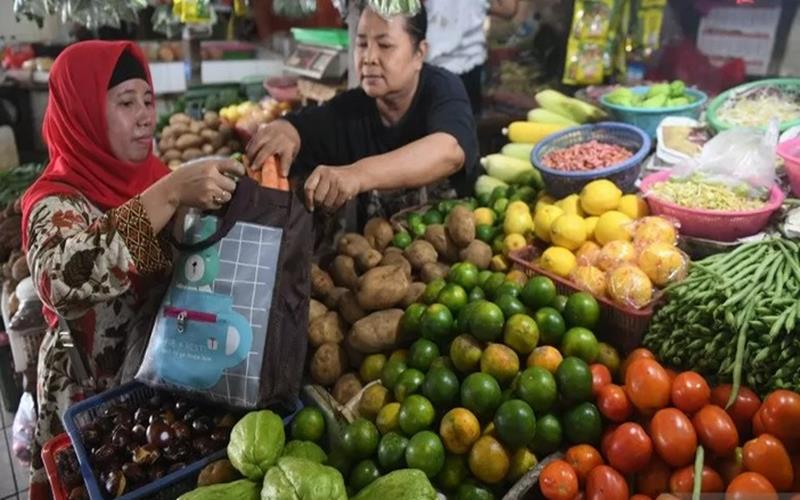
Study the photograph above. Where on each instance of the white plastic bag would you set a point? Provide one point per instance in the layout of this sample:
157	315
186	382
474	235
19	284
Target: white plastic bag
22	429
735	157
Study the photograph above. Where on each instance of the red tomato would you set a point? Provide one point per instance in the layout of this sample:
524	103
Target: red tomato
742	410
758	422
558	481
690	392
601	377
748	484
673	436
630	448
605	441
732	466
639	496
672	374
716	430
682	481
583	458
653	479
647	385
635	355
605	483
767	456
781	414
614	403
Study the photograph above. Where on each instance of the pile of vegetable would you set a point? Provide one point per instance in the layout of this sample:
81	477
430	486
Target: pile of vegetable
662	95
185	139
756	106
735	317
700	194
14	181
589	155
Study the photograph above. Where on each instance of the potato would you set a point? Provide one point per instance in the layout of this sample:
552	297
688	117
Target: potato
207	149
191	154
347	387
211	119
212	136
187	141
376	333
382	287
173	164
419	253
180	129
224	151
436	235
19	270
392	250
479	253
333	298
166	143
396	259
349	308
433	270
196	127
321	282
369	259
172	154
179	118
326	329
415	291
327	364
167	132
343	272
352	245
379	233
315	310
461	225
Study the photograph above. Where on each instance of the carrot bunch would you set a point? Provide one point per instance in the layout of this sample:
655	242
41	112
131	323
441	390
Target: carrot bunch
269	175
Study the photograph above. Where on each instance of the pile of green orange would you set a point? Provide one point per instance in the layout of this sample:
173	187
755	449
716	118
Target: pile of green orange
499	374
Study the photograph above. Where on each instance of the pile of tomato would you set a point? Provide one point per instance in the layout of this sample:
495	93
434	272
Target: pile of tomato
656	423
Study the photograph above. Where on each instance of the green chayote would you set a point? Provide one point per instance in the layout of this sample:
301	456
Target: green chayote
256	443
300	479
404	484
305	449
242	489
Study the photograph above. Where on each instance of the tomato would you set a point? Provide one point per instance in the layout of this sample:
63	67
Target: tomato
647	385
614	403
558	481
758	422
749	484
781	414
635	355
682	481
690	392
604	483
639	496
629	448
672	374
653	479
583	458
716	430
601	377
732	466
743	408
767	456
673	436
605	441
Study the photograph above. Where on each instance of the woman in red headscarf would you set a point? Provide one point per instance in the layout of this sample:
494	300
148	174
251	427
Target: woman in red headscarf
91	223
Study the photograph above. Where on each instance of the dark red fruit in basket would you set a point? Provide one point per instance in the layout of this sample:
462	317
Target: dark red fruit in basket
204	446
91	436
159	434
142	416
221	434
157	472
181	407
121	437
155	402
135	473
78	493
116	483
182	431
192	413
168	416
104	454
123	418
139	434
146	455
202	425
178	453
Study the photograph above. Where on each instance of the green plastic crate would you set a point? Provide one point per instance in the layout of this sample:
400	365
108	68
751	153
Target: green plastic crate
330	37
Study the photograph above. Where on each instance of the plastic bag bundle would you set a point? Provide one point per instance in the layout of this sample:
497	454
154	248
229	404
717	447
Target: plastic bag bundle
88	13
23	428
294	9
388	8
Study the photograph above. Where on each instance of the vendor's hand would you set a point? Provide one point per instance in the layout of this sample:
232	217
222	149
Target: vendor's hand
331	187
276	138
206	183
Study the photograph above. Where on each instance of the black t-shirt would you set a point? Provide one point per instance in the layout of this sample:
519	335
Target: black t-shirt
349	127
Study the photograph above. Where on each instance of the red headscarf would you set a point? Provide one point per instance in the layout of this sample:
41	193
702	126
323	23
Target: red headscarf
81	161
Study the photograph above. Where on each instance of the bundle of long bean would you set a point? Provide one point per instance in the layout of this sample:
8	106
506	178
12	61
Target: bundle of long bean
735	316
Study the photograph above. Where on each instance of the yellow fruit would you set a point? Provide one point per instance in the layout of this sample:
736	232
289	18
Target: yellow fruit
518	277
500	361
547	357
558	261
633	206
489	430
485	216
612	226
654	229
571	205
600	196
590	279
386	420
514	242
663	263
488	460
499	263
587	254
518	205
615	254
568	231
545	216
518	221
522	461
591	224
543	200
459	430
629	286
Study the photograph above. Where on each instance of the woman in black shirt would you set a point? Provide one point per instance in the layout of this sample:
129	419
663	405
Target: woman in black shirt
407	126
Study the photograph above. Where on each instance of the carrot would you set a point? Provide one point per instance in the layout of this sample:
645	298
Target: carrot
271	175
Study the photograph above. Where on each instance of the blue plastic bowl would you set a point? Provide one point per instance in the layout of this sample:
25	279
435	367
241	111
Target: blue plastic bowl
561	183
648	119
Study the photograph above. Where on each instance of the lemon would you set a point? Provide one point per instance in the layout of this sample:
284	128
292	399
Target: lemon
568	231
612	226
544	218
558	261
590	279
517	222
587	253
544	200
591	224
484	216
499	263
518	206
514	242
633	206
615	254
654	229
571	205
663	263
629	286
600	196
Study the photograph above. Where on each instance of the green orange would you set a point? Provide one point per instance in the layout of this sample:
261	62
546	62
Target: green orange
437	323
425	452
416	414
441	387
551	326
582	309
538	292
481	394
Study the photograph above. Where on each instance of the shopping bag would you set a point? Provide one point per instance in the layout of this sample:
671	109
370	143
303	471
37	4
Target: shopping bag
232	326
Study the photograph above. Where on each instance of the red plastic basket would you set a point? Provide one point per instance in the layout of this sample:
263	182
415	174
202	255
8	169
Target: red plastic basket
49	452
790	152
713	224
623	327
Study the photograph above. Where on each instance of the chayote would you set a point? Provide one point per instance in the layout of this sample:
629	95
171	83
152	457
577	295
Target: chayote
305	449
403	484
256	443
301	479
242	489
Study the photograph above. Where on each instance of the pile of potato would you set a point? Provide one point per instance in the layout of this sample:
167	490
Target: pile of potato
15	267
357	304
185	139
